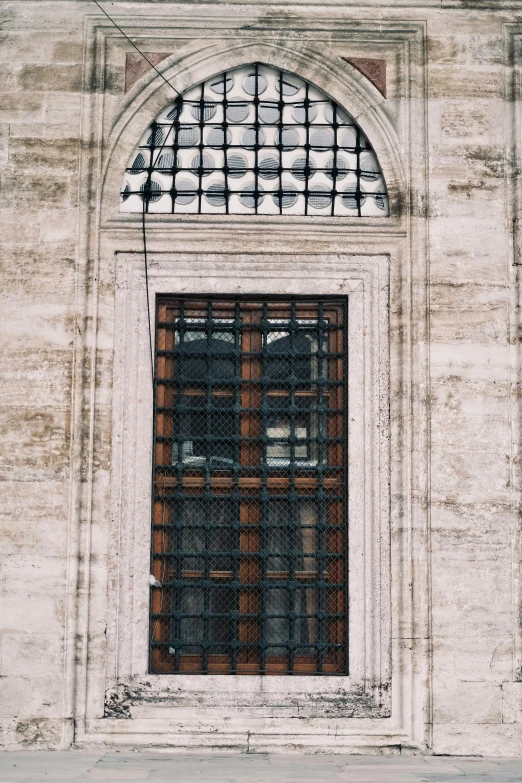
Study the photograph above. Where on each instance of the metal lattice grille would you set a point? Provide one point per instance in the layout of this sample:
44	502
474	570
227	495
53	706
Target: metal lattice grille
249	519
255	140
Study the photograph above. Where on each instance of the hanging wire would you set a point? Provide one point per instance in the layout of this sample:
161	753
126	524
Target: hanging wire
135	47
146	197
146	194
144	233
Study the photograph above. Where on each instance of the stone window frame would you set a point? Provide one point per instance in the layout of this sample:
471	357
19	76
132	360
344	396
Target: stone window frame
366	284
96	670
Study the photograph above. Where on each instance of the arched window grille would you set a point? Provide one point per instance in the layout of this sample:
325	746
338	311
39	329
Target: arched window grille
255	140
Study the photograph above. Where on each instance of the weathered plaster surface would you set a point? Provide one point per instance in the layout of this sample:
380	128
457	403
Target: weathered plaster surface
449	135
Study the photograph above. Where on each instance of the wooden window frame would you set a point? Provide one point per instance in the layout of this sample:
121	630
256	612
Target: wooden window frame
333	602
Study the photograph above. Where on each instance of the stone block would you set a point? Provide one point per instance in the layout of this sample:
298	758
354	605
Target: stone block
468	239
470	326
459	194
33	574
31	655
41	377
34	276
479	432
36	697
21	107
455	470
472	659
69	50
26	130
462	120
57	156
63	109
62	130
59	225
486	739
18	47
460	396
448	49
512	702
487	47
4	142
469	528
19	225
9	77
55	330
34	190
34	443
483	82
466	702
469	363
462	597
50	78
33	517
31	614
463	296
474	162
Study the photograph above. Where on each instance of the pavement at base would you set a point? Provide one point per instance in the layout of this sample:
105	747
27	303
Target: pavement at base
160	767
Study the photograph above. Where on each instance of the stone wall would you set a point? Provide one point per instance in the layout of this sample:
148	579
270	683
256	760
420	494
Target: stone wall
57	429
41	57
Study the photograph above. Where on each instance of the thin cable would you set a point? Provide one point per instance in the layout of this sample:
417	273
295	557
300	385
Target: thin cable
147	289
146	196
134	45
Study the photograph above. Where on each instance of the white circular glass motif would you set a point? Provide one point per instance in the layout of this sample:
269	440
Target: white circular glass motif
237	166
223	85
320	197
288	84
303	169
188	136
203	165
237	111
204	110
255	83
153	189
269	113
139	164
269	168
185	192
336	169
249	196
216	195
352	198
166	162
220	131
321	139
216	137
303	114
252	138
286	198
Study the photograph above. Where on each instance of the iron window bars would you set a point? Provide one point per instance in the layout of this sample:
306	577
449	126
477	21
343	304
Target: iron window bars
249	508
255	140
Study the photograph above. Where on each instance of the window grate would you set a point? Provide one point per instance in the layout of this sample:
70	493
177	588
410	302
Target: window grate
255	140
249	510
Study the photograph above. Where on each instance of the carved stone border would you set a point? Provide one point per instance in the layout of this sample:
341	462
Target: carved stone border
513	103
96	664
365	692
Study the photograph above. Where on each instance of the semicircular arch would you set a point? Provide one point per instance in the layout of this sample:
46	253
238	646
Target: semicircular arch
341	84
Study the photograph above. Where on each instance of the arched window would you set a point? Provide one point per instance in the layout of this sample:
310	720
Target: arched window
255	140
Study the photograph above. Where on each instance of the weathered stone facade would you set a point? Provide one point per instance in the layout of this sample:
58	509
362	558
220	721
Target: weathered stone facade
436	637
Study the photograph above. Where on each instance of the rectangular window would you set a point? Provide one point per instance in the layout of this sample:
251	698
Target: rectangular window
249	545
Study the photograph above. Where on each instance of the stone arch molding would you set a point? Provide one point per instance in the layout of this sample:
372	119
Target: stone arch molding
340	82
254	140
